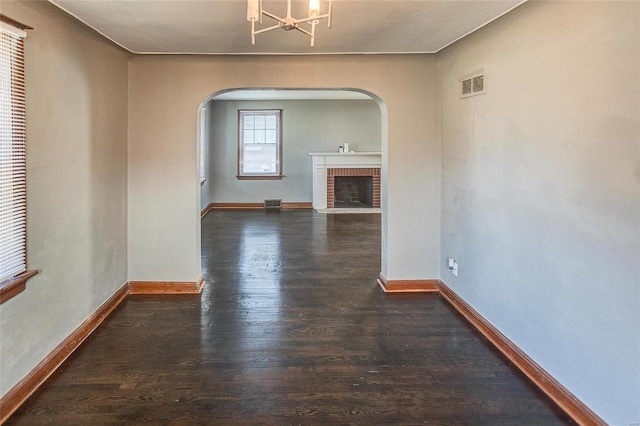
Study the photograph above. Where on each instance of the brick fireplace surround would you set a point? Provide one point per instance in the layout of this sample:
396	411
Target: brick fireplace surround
328	165
333	172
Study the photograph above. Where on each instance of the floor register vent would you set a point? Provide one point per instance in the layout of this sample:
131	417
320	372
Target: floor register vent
273	204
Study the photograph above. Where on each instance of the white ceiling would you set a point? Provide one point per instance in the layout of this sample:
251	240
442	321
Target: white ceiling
221	27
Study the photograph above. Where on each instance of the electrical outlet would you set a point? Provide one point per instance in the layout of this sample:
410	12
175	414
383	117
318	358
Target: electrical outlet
453	266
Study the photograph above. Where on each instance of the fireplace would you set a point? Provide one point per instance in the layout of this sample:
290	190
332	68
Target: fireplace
353	191
353	188
327	166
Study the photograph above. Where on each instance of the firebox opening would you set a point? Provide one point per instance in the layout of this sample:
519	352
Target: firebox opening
353	191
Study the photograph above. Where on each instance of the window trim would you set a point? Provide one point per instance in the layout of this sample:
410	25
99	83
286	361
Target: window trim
14	286
259	176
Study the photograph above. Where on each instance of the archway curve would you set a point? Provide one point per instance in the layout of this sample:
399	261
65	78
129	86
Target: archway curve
371	95
384	136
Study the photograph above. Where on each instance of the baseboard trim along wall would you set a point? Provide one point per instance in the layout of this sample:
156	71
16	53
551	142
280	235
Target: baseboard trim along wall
548	384
205	211
299	206
236	206
166	287
25	388
408	286
253	206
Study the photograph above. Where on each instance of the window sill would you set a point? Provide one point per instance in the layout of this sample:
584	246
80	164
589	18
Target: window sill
259	177
13	287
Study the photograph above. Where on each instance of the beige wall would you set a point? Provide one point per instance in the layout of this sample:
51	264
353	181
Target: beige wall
541	191
76	178
164	205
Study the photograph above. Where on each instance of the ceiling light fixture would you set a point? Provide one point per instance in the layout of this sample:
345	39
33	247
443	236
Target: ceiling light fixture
255	12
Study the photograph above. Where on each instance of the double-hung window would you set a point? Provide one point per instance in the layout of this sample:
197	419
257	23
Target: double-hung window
13	193
259	144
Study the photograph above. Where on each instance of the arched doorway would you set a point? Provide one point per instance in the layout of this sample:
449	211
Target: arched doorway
315	119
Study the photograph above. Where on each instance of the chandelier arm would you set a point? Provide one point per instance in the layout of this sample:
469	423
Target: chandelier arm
317	18
302	30
264	30
253	32
272	16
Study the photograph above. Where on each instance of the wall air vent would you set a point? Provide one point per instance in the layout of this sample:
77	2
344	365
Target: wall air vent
473	84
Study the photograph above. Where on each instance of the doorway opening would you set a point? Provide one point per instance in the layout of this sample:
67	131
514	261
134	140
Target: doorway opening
313	120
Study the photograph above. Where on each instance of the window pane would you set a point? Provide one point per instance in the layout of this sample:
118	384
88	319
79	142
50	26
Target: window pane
259	159
260	121
270	136
248	121
271	122
248	136
259	136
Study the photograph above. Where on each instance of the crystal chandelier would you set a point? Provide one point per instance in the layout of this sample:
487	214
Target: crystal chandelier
255	12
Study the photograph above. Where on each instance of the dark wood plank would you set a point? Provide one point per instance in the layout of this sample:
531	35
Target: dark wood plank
290	329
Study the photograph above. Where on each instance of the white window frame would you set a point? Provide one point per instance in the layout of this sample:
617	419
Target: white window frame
242	142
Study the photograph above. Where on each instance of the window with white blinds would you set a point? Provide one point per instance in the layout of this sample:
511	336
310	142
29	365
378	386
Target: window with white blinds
13	201
259	143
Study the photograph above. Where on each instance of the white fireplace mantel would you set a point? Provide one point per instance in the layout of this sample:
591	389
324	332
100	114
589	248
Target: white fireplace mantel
329	160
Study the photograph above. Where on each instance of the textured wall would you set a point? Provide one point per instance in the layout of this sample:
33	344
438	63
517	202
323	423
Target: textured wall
164	191
541	191
308	126
76	85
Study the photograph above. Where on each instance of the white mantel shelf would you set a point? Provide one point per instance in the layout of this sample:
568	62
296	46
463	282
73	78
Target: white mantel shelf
345	154
329	160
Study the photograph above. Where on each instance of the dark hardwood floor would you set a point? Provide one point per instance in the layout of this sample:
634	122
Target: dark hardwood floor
290	329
